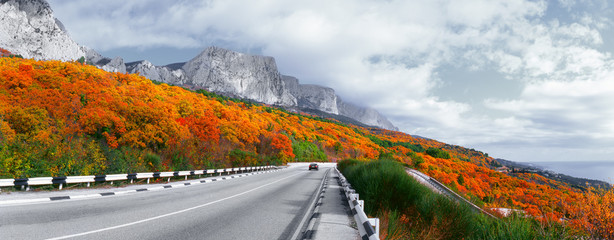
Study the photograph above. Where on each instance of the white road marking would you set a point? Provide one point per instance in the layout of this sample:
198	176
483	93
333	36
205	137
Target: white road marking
168	214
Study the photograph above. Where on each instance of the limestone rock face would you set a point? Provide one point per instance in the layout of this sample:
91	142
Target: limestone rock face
115	65
28	28
312	96
367	116
160	74
246	76
324	99
94	57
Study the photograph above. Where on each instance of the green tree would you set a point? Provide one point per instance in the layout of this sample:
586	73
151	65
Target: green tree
416	159
438	153
307	151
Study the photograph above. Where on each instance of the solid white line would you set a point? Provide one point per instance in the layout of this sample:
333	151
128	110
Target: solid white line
26	201
158	188
125	192
168	214
95	195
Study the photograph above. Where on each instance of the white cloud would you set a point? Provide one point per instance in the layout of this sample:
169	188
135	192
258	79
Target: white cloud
582	106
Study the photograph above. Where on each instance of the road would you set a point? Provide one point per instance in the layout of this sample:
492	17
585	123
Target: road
263	206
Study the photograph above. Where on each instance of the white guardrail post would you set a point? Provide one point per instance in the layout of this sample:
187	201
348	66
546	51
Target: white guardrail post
25	183
367	227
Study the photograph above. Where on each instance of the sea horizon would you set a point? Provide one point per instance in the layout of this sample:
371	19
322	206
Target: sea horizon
596	170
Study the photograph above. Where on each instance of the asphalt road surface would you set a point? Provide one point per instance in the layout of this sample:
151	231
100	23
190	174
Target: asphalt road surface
263	206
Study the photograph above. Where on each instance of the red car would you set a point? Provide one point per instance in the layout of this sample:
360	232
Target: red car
313	166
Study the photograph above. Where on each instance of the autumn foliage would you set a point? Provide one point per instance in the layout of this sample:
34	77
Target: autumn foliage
4	52
66	118
594	213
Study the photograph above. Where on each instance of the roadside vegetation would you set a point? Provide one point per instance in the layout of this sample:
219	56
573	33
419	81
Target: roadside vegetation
409	210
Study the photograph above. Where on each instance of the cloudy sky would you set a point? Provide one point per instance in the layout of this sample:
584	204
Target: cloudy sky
521	80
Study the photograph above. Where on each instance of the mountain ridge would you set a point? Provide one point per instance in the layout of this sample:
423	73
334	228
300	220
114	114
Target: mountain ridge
208	70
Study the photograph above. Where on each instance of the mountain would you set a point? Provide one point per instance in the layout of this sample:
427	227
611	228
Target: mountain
160	74
251	77
312	96
28	28
245	76
324	99
367	116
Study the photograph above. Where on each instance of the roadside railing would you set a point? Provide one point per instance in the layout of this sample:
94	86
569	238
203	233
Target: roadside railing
25	183
367	227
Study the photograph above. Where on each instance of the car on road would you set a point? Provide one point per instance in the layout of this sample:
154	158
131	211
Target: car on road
313	166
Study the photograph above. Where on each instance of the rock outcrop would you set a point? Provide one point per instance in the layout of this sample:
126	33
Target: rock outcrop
324	99
161	74
28	28
115	65
242	75
365	115
312	96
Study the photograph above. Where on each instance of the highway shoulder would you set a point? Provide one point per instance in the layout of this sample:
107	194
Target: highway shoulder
334	220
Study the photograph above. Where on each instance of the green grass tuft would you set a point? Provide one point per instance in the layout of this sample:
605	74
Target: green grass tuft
414	211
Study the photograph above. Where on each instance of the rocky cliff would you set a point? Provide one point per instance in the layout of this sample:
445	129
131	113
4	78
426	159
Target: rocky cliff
324	99
312	96
161	74
365	115
242	75
28	28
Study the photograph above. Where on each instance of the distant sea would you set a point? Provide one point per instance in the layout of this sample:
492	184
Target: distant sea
603	171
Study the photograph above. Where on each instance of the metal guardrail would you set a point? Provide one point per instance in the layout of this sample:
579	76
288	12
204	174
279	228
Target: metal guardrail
24	183
367	227
448	192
